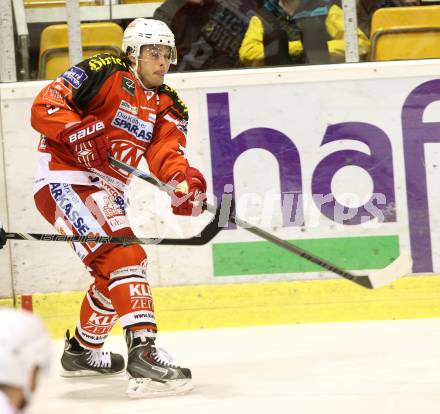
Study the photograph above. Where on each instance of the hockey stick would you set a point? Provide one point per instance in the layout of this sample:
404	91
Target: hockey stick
205	236
396	269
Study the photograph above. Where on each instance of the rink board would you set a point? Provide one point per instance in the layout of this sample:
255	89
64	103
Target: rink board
282	136
235	305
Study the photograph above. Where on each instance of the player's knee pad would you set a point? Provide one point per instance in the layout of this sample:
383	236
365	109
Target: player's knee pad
134	277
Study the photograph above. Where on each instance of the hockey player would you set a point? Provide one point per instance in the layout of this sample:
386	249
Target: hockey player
24	355
119	106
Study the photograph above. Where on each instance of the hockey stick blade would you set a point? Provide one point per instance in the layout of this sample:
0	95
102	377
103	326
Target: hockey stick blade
383	277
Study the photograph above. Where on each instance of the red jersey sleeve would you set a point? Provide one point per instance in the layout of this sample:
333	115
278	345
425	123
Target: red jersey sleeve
165	155
68	98
52	109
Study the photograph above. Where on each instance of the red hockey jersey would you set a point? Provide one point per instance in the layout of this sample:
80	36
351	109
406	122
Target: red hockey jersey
139	123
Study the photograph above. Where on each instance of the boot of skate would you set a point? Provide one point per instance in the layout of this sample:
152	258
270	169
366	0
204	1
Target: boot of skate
79	362
151	371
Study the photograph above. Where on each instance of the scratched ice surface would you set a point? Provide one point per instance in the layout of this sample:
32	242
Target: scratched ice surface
340	368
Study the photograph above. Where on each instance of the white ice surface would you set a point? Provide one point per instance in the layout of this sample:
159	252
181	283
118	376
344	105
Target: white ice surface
340	368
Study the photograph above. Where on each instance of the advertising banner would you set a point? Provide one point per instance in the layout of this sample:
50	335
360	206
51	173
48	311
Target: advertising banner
347	169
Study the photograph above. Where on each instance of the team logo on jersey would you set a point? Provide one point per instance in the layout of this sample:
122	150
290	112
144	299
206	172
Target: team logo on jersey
128	85
128	107
75	76
56	93
127	152
141	130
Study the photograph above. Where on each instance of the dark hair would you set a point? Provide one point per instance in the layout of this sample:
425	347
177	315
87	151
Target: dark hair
124	56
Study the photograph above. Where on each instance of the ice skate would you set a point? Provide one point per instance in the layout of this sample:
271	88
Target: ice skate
80	362
151	373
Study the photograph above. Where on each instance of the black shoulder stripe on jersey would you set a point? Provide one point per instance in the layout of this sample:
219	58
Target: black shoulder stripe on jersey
178	108
88	76
178	114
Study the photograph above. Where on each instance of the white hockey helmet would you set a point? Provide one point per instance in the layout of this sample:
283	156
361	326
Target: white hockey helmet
142	32
24	345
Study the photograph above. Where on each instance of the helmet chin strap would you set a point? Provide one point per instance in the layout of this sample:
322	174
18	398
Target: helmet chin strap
136	74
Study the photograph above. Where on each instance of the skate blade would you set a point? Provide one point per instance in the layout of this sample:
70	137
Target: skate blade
147	388
86	373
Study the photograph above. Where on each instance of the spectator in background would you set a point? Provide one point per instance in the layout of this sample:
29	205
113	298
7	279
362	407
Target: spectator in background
208	32
366	8
289	32
24	354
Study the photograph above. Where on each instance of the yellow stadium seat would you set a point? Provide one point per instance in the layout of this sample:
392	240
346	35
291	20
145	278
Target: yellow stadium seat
96	38
32	4
405	33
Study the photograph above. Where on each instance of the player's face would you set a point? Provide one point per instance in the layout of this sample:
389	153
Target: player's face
154	63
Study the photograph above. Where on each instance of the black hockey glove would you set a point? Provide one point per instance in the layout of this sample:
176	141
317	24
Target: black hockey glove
2	238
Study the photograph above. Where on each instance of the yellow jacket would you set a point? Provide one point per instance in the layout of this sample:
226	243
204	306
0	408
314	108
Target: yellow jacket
252	48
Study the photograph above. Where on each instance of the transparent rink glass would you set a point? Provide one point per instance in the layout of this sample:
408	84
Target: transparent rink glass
213	35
